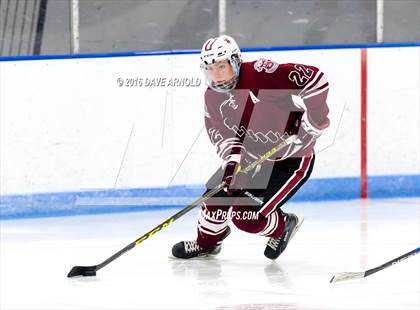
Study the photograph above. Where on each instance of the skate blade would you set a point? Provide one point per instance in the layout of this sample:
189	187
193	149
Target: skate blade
198	258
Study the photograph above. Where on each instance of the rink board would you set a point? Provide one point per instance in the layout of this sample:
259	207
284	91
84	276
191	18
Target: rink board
75	132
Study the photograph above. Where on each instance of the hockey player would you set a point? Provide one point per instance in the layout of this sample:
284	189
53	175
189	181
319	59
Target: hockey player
249	106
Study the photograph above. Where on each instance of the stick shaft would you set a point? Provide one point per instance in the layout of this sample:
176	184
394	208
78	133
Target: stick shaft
160	226
286	140
342	276
392	262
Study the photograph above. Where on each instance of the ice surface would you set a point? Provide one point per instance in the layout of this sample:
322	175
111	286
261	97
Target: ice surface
37	254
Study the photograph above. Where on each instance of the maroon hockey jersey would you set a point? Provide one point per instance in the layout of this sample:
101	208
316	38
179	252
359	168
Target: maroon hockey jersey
267	101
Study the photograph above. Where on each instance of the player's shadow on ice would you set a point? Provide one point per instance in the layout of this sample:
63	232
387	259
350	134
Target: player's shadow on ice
276	275
210	269
206	273
205	268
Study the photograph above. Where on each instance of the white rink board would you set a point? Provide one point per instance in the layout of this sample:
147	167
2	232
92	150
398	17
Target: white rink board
394	111
65	124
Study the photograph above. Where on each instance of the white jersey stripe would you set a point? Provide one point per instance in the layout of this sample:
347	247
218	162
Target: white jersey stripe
222	153
274	220
316	93
311	82
204	230
271	224
276	223
322	81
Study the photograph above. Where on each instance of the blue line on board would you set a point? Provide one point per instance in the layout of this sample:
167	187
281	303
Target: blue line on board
131	200
186	52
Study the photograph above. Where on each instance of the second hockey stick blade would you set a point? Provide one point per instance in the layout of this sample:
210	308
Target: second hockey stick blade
342	276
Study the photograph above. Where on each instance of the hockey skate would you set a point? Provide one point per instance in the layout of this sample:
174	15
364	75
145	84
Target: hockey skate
276	246
190	249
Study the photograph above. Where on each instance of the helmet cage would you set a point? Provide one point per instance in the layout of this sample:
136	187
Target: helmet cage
225	86
223	48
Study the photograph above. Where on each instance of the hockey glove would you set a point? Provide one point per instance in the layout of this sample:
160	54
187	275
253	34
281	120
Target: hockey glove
234	179
310	128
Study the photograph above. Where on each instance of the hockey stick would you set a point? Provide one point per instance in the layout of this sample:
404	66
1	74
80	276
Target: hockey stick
91	270
342	276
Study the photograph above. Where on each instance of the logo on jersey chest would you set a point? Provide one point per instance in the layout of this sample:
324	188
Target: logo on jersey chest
266	65
231	116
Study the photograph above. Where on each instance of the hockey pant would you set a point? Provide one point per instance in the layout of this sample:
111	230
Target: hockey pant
256	208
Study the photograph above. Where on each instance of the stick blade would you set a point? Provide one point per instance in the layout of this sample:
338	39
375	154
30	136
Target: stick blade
342	276
87	271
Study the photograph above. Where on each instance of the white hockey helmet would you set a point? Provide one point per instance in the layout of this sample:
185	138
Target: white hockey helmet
217	49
